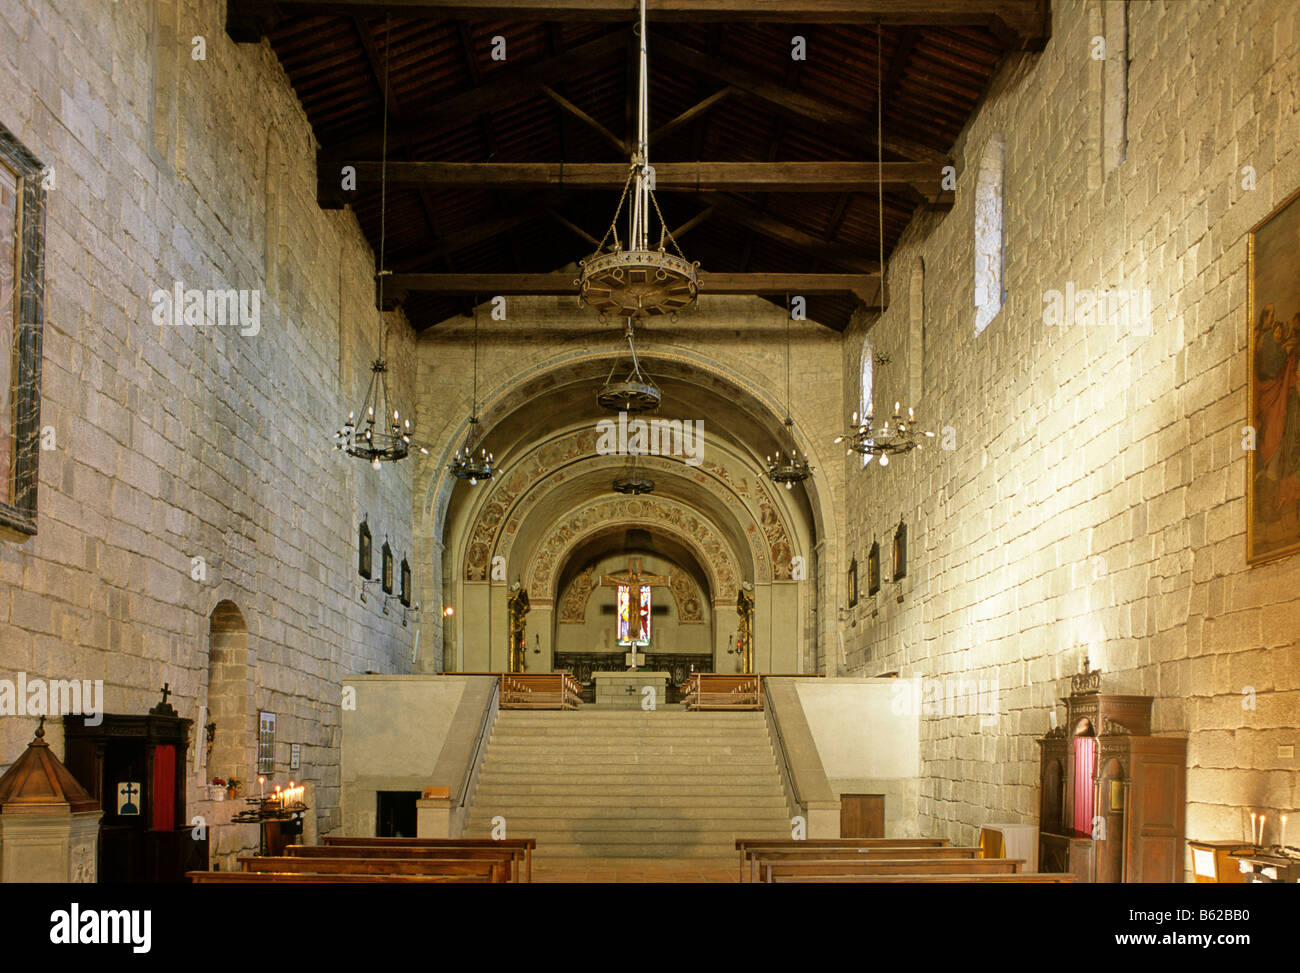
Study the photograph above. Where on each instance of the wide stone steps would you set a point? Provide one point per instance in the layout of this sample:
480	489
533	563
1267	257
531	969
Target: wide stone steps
629	784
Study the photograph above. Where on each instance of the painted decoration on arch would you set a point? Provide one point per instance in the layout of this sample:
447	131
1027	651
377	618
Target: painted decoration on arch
1273	350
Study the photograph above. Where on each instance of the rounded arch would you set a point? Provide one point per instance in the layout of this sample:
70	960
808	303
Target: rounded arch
229	734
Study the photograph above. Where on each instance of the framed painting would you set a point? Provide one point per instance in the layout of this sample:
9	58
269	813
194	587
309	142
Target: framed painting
365	549
873	568
22	316
900	551
1273	365
853	582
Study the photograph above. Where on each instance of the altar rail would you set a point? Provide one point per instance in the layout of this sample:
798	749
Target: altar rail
712	690
540	690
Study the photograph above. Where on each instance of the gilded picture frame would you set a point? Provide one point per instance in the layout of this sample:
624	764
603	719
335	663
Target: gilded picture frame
22	321
1273	400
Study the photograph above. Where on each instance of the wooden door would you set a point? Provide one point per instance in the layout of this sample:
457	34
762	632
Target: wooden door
862	815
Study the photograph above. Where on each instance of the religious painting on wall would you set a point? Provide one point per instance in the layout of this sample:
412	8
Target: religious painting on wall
900	551
853	582
386	569
22	284
873	568
1273	347
406	583
364	550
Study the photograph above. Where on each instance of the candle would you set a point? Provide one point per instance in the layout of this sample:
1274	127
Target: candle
1262	819
1252	828
261	787
1284	831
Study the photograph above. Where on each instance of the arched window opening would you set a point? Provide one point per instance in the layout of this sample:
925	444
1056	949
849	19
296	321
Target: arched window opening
989	233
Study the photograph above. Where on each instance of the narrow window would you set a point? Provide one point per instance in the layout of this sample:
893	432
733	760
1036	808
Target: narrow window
989	237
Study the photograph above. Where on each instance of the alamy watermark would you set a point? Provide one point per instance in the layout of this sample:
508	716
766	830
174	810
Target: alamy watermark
946	697
203	308
653	437
53	697
1127	311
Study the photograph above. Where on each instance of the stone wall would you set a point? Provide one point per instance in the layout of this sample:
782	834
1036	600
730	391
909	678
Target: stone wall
1093	501
1094	498
176	443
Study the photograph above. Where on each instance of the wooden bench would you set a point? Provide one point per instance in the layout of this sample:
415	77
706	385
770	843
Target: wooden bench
517	846
483	870
906	866
1028	877
276	878
743	845
512	860
540	690
717	691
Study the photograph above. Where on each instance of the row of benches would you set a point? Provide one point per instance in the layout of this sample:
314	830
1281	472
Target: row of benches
877	860
409	860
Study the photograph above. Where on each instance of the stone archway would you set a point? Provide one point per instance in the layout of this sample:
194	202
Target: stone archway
230	731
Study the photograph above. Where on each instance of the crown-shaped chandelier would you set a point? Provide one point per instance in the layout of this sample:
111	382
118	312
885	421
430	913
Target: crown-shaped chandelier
884	442
633	483
636	392
863	436
633	280
790	467
376	437
473	461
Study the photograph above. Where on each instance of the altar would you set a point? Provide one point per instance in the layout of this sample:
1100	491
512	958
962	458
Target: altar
626	690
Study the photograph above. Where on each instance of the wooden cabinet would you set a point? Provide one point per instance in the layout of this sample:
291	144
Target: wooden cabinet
862	815
1112	796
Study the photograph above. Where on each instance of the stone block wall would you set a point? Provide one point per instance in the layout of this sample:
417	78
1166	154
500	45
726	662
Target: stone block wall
1093	500
184	442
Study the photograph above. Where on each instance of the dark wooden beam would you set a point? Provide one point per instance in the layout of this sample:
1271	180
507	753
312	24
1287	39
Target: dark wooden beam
1022	23
505	86
692	113
855	128
865	287
840	255
754	177
619	145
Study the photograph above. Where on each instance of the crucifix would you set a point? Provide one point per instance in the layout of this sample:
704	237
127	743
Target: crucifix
638	617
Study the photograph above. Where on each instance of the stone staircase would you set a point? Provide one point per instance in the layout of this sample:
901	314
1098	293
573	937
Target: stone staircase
630	784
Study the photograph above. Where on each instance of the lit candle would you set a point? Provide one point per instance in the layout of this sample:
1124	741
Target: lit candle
261	787
1262	819
1252	828
1284	831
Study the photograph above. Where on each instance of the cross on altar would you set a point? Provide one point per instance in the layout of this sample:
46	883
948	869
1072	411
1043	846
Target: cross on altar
634	580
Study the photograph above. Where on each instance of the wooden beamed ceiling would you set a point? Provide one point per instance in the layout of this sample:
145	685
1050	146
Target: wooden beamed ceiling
503	172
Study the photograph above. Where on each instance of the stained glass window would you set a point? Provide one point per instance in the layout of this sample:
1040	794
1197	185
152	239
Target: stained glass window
628	634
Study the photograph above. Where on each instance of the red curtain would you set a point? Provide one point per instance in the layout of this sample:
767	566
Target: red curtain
164	787
1085	768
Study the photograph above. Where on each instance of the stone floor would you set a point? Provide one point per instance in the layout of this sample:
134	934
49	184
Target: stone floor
647	870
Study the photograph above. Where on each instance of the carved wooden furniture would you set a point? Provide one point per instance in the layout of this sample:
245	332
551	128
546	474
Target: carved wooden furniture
149	838
1112	795
1212	861
710	690
540	690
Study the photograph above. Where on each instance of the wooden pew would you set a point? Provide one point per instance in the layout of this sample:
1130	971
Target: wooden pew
719	691
905	866
1028	877
293	878
509	858
524	846
540	690
486	871
744	844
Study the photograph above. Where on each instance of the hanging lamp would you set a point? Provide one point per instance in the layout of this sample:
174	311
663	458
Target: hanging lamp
629	279
376	437
636	392
473	461
790	467
864	436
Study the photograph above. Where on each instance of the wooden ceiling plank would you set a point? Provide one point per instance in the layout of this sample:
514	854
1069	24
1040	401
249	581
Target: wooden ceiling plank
619	145
692	113
1023	24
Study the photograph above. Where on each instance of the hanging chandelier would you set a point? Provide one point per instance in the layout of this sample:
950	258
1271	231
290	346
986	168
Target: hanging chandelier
636	392
790	467
473	461
376	438
633	483
884	442
863	437
633	280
